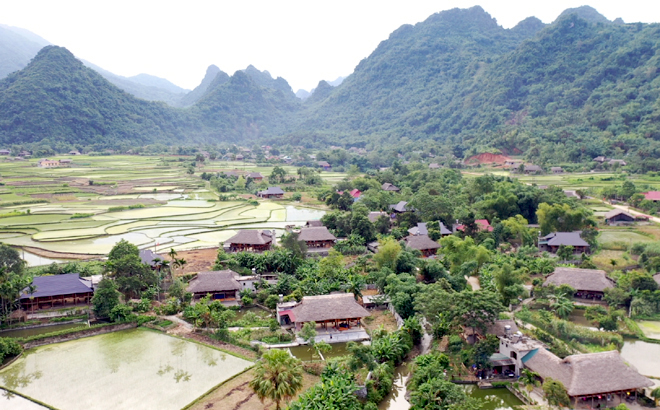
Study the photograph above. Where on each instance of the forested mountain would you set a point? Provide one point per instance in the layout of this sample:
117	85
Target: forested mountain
239	108
16	49
56	99
140	90
213	73
568	91
153	81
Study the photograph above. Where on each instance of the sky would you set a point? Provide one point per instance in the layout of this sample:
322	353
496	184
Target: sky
303	41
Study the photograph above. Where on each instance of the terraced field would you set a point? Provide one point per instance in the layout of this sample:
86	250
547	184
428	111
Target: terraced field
88	207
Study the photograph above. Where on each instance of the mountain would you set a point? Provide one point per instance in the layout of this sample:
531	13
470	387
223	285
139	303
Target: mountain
17	48
242	107
153	81
304	94
57	100
337	81
586	13
418	70
264	79
569	91
140	89
213	74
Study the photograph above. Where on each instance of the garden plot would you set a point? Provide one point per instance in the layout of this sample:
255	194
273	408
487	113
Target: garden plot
609	237
131	369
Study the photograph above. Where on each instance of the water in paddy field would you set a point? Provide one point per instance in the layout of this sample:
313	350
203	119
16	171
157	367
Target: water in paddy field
11	401
644	356
132	369
302	214
40	330
36	260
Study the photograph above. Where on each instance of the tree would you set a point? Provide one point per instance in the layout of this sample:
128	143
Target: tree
563	218
555	393
105	298
388	252
655	393
475	309
277	175
529	379
308	332
13	279
277	377
126	267
562	306
290	242
565	252
335	391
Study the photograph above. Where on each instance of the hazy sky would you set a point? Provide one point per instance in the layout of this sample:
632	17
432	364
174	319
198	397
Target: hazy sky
303	41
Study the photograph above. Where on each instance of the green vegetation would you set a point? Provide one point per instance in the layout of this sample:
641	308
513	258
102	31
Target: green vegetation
278	377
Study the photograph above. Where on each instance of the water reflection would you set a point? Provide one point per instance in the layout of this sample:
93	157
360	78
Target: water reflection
17	377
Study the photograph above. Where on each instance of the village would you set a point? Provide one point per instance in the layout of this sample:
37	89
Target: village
500	287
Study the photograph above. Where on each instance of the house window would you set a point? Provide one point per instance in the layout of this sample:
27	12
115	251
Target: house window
514	355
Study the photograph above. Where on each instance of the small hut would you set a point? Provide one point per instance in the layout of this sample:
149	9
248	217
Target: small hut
250	240
422	243
221	285
341	311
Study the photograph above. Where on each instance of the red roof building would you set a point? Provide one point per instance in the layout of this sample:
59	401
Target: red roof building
652	195
483	225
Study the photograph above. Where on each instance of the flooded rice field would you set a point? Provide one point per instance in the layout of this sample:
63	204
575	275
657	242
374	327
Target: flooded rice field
40	330
133	369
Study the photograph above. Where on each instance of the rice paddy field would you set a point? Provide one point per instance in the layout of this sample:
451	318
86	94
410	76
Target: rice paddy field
90	206
131	369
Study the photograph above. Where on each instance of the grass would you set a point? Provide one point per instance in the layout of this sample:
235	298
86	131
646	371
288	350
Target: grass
620	239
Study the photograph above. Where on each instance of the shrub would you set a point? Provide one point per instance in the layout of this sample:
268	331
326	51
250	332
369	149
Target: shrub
272	301
247	301
9	347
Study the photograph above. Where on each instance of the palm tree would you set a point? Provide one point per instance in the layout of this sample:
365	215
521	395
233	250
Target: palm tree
529	379
655	393
277	376
173	254
355	285
562	306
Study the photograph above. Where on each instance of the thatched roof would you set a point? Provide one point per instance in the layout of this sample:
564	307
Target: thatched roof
565	238
593	280
389	187
316	233
400	207
56	285
147	256
328	307
420	229
373	216
615	212
587	374
274	190
251	237
421	242
254	175
214	281
311	224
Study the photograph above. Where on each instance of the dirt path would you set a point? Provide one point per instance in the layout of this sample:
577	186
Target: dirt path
474	282
61	255
633	212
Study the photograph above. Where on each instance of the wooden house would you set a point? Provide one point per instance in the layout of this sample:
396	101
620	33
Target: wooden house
58	291
325	165
339	311
588	283
595	380
271	192
250	240
619	217
552	242
317	237
255	176
557	170
389	187
221	285
424	244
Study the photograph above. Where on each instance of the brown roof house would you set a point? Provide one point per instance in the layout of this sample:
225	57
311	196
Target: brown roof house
422	243
588	283
317	237
619	217
221	285
373	216
255	176
389	187
599	379
552	242
271	192
325	165
250	240
312	224
340	311
56	291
